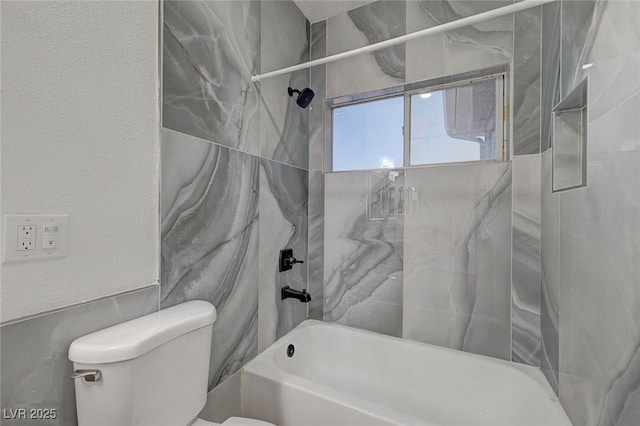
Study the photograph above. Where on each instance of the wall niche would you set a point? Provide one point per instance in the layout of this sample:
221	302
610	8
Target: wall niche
570	120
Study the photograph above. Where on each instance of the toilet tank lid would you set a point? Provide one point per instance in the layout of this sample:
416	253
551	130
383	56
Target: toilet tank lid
134	338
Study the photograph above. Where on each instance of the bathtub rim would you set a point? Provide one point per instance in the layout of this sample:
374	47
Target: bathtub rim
264	365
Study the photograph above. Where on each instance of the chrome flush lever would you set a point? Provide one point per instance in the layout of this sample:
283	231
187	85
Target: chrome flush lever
87	375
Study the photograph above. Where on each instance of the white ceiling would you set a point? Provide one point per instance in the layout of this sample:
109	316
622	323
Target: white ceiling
317	10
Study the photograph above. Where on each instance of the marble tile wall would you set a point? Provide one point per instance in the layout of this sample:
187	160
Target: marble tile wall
284	179
526	84
458	51
211	49
525	278
318	78
526	116
453	52
597	227
363	250
210	197
284	127
318	81
371	23
589	338
600	33
284	215
549	273
234	173
490	43
34	366
457	248
599	271
550	70
316	243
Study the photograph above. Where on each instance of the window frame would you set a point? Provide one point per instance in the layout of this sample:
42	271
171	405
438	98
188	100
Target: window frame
500	74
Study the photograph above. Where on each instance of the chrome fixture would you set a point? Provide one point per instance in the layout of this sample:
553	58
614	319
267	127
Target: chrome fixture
87	375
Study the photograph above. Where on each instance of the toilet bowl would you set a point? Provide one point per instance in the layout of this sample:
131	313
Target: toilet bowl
150	371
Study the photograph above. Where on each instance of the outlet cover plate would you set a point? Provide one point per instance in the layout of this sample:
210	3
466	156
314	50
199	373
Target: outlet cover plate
10	237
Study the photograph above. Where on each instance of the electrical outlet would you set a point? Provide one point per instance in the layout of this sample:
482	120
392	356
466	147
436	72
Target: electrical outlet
26	237
34	237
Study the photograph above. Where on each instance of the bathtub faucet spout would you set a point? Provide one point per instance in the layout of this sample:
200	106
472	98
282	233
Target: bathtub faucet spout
288	292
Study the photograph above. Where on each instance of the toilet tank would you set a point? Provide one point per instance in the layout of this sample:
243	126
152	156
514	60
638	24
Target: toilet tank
154	369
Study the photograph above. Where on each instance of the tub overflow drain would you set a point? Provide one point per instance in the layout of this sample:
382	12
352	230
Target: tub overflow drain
290	350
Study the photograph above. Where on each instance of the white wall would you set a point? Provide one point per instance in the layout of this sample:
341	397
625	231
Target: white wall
80	136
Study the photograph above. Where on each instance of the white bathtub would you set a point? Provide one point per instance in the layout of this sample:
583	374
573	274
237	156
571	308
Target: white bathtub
343	376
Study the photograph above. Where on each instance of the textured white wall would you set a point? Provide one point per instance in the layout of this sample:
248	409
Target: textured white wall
80	135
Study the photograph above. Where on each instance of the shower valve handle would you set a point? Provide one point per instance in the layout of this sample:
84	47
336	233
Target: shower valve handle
287	260
292	261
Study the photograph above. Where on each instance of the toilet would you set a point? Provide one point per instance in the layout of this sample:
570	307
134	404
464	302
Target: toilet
150	371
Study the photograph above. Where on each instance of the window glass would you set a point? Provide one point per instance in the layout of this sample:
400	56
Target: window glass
368	135
454	124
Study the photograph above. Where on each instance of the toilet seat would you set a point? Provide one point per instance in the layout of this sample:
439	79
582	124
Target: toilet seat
233	421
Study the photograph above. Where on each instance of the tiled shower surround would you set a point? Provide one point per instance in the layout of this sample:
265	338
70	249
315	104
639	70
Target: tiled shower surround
246	152
243	178
569	305
591	235
235	170
439	271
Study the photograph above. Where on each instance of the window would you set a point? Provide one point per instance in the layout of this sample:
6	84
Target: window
427	124
368	135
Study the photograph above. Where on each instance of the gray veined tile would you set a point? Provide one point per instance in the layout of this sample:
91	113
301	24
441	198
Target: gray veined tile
525	321
211	49
525	276
630	412
578	25
526	81
453	52
210	242
363	250
598	227
550	71
550	342
457	252
382	21
617	129
318	40
318	82
599	270
316	243
34	363
600	40
359	27
284	126
549	274
284	218
316	117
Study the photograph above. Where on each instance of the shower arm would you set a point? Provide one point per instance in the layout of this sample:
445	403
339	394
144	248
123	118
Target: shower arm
459	23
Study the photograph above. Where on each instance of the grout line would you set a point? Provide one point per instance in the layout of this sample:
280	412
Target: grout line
77	304
158	152
540	85
235	149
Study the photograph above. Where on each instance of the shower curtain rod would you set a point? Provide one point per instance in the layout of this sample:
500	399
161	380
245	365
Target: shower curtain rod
463	22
